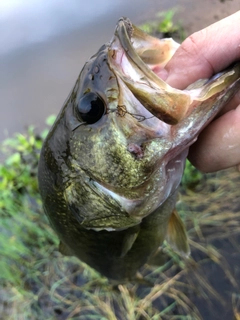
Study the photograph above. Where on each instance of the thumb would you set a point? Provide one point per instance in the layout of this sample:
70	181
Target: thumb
205	53
218	146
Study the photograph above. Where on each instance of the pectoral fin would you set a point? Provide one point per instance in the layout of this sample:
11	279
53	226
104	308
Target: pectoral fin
128	242
176	234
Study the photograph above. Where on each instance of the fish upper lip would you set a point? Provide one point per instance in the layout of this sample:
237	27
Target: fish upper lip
122	32
130	56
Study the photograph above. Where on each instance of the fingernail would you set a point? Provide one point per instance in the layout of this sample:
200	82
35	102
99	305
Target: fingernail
176	81
171	80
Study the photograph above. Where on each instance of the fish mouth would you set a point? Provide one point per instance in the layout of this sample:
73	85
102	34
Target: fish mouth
133	55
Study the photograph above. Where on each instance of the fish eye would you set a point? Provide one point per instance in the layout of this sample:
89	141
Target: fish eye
91	108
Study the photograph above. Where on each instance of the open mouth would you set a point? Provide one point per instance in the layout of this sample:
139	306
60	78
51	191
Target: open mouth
134	54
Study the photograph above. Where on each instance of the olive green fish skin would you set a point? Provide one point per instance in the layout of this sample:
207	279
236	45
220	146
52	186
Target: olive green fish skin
109	186
102	250
78	157
69	158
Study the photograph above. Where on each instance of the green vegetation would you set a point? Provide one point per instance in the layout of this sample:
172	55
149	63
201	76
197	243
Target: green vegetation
192	177
165	26
37	282
25	236
20	207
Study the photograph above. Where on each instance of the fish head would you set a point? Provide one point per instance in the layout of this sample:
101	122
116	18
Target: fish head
118	147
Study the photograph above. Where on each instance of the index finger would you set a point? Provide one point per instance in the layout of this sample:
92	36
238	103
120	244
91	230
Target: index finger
205	52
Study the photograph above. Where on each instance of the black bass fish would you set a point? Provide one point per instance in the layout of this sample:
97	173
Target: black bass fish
111	164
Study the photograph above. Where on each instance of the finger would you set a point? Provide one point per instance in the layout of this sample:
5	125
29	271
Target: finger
205	53
218	146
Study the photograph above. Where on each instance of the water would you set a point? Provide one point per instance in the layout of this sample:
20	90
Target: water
42	50
43	46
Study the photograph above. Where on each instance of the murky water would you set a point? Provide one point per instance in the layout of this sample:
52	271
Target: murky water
44	46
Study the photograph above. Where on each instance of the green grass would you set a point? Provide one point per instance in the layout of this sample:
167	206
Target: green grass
165	25
37	282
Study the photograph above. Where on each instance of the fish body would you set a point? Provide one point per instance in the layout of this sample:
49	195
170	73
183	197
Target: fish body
112	162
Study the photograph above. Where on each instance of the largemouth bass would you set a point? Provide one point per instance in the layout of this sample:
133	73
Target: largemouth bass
112	162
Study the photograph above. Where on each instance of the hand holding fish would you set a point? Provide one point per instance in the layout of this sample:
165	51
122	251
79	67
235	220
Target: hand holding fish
201	55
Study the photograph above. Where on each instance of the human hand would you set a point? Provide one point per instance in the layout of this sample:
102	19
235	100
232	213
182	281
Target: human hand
202	55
